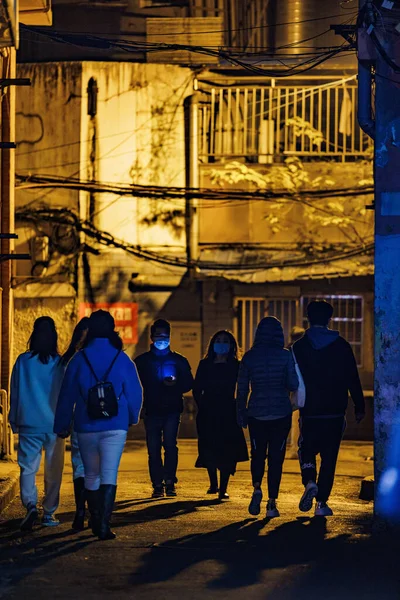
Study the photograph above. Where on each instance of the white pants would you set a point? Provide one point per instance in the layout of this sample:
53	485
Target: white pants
30	448
76	458
101	454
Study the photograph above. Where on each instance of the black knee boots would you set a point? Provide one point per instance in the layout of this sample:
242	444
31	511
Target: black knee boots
107	498
94	504
80	501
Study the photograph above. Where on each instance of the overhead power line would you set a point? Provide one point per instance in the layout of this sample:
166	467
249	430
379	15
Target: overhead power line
234	58
182	193
68	218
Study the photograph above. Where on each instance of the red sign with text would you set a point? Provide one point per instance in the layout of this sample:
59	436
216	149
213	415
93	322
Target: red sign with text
125	316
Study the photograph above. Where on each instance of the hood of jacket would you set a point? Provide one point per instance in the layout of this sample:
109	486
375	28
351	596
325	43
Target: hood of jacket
321	337
269	333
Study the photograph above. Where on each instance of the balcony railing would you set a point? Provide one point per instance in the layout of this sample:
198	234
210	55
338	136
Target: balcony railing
264	124
206	8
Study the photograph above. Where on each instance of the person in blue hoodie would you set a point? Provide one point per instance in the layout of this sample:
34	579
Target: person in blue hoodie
35	383
101	440
165	376
78	471
329	370
267	369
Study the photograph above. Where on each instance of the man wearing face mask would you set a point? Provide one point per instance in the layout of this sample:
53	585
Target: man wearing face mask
165	377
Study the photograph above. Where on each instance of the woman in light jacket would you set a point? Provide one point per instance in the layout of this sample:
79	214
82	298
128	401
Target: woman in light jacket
35	384
101	440
78	472
269	370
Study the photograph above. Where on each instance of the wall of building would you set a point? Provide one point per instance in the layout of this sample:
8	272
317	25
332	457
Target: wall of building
62	310
136	135
290	223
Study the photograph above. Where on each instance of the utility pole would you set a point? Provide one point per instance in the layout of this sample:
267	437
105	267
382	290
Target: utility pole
192	178
379	54
7	187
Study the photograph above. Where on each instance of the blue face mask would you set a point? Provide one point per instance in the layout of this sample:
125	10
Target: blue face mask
221	348
162	344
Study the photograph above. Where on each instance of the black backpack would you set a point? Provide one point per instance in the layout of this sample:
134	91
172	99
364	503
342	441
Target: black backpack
102	401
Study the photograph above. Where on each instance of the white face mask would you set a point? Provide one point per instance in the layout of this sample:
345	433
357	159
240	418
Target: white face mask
162	344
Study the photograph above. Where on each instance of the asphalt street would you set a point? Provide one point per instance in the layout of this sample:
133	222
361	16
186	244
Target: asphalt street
193	547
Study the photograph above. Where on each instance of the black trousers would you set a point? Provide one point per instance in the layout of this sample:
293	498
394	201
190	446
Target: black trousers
323	437
268	437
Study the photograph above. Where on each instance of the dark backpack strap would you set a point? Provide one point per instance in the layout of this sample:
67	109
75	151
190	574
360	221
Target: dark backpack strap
89	365
106	374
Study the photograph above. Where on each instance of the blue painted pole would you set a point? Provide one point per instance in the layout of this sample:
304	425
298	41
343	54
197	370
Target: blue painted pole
385	55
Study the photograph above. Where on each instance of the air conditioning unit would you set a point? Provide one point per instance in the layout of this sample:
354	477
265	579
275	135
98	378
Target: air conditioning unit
187	31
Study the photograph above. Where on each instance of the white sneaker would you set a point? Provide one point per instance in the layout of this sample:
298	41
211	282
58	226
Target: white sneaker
255	503
323	510
272	510
307	498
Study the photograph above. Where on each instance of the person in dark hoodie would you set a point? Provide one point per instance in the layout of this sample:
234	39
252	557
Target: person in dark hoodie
270	371
165	376
329	370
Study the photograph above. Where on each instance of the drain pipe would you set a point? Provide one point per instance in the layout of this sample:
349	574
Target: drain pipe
364	112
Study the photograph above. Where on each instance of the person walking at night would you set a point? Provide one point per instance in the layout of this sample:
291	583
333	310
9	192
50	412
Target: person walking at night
221	441
102	394
78	472
35	383
165	376
329	370
269	369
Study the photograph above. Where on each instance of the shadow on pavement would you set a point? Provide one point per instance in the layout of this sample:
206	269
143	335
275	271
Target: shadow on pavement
329	567
156	510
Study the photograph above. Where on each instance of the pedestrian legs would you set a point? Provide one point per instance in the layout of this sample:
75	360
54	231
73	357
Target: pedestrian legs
170	434
330	444
223	484
76	458
154	428
53	470
308	449
101	454
259	442
78	474
278	432
29	456
212	474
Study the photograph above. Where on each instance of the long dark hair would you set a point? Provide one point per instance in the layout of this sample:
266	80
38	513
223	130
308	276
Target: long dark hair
102	325
77	340
233	351
43	339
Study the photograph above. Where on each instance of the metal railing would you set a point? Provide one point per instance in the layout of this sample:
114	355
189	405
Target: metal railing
263	123
206	8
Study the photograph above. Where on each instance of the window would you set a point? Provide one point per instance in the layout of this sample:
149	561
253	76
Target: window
250	311
348	318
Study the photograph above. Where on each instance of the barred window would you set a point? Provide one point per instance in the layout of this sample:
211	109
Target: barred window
348	319
250	311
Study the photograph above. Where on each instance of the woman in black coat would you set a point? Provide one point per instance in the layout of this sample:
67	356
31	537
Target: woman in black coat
221	441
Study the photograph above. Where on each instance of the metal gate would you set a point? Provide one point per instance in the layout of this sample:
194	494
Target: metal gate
250	311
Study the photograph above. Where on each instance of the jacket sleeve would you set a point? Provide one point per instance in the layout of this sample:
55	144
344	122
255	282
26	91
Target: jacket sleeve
243	386
292	381
69	392
353	381
133	391
140	366
185	377
14	397
198	384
